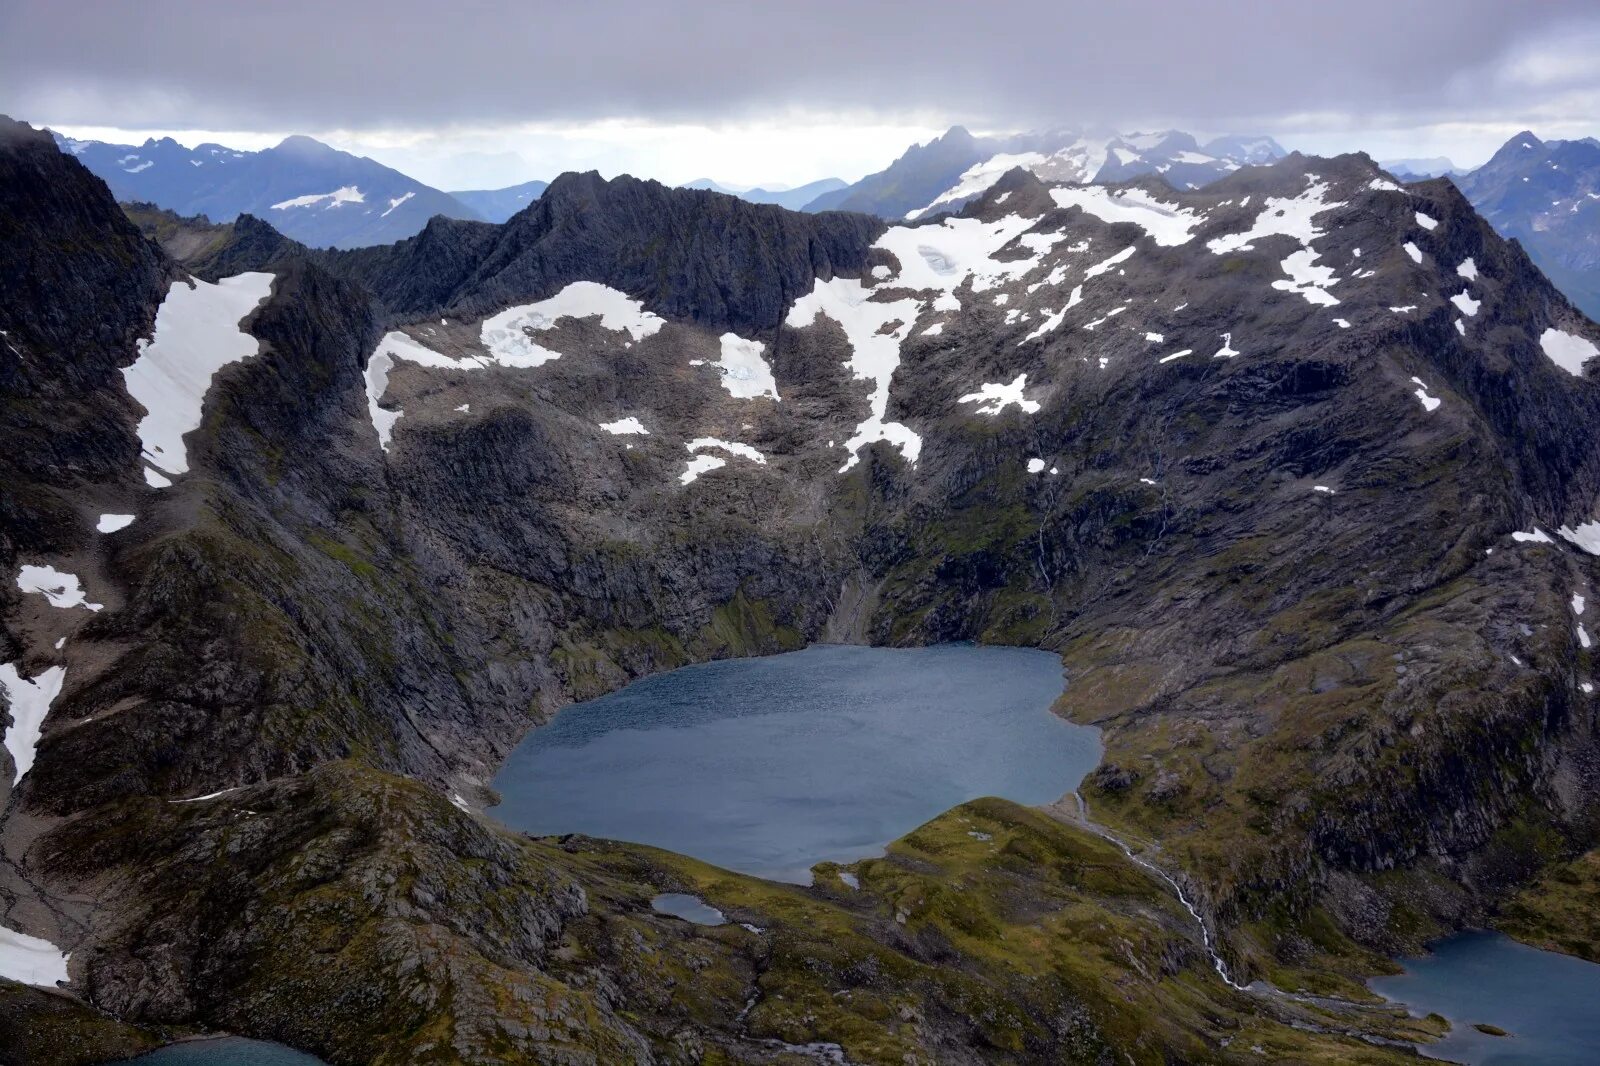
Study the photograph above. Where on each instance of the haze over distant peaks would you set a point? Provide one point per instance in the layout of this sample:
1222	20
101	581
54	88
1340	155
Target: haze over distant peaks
952	169
315	193
497	205
795	199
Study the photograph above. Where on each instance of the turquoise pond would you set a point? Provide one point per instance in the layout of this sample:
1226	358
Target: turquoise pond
770	765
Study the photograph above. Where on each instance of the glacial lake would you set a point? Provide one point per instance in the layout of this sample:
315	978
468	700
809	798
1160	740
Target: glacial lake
772	764
1549	1003
225	1051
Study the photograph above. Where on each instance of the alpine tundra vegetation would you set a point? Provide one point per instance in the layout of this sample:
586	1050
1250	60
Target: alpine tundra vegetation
1262	486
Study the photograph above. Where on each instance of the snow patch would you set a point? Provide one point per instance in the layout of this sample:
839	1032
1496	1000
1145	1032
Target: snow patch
1167	224
1413	251
743	451
1227	351
1429	403
701	464
1307	279
1427	222
1035	466
345	194
1106	264
1567	350
110	523
992	398
1585	536
30	700
625	426
1465	303
60	588
1538	536
196	334
506	334
1468	269
745	374
396	202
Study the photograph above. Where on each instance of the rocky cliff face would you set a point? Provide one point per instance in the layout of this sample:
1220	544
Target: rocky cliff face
1251	459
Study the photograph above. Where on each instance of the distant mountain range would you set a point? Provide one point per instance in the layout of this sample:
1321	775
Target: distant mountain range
497	205
955	168
1546	194
1418	169
795	199
316	194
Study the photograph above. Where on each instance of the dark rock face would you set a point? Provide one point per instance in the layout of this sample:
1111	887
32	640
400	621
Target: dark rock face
692	254
1268	533
81	284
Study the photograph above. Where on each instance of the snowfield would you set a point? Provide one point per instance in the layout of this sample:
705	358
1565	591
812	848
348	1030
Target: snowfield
30	700
196	334
30	960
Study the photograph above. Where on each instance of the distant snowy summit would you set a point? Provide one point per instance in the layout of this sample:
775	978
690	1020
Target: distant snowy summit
309	191
951	170
1546	194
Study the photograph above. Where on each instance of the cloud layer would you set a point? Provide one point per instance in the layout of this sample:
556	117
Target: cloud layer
358	65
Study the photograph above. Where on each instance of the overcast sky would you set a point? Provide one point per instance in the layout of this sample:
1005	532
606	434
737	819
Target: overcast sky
488	94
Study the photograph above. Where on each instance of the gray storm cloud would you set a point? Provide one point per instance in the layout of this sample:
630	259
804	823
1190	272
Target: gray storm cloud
357	65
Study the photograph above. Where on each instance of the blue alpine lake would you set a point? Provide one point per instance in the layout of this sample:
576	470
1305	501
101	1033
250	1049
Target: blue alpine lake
226	1051
1548	1003
772	764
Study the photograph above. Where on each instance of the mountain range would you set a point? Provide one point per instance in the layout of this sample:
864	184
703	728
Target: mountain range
497	205
957	166
795	199
1546	194
1294	470
317	194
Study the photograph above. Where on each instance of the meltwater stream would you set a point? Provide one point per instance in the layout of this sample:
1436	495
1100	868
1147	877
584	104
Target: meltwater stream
770	765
